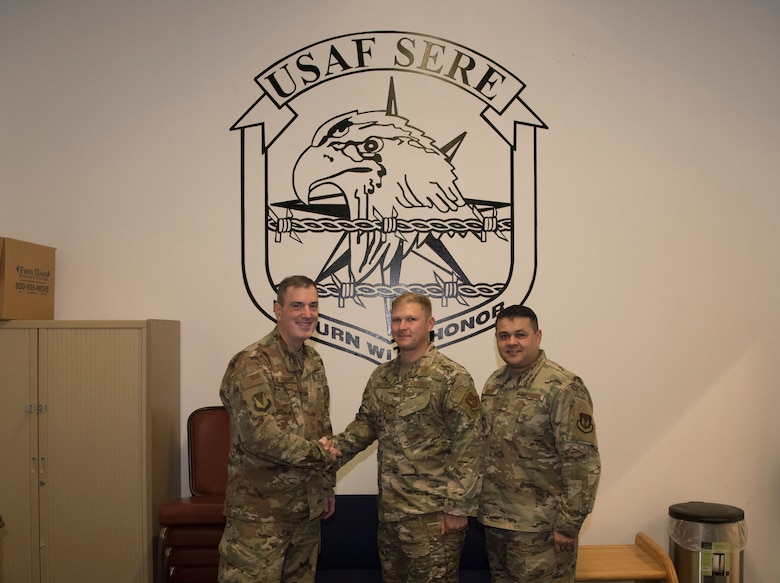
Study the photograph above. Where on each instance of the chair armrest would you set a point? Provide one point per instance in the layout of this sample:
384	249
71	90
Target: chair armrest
659	555
207	509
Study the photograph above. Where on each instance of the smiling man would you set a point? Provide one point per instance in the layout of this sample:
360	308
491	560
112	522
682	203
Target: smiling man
542	458
279	482
424	410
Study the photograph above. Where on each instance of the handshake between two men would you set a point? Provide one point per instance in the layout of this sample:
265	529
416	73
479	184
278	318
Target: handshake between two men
328	446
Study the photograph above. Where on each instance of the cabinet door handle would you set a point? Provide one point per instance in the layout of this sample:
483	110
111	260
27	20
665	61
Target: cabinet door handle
42	471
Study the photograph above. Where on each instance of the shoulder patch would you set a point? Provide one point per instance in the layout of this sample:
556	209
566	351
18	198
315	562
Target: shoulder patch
582	419
472	400
261	402
468	401
252	380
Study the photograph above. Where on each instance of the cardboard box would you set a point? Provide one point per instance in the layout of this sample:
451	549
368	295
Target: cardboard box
26	280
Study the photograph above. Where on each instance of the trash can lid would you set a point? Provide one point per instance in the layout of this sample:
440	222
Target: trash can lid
706	512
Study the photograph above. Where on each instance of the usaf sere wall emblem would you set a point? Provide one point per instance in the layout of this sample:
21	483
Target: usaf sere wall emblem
384	162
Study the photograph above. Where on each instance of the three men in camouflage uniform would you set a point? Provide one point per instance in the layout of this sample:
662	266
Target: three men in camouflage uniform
279	485
424	411
542	461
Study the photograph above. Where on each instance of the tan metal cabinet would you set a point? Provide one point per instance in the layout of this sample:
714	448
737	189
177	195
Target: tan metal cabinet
89	447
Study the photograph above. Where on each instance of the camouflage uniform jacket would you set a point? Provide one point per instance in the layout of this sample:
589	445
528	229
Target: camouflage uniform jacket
542	459
279	405
429	429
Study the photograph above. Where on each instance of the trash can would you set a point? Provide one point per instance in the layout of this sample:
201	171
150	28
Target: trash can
707	542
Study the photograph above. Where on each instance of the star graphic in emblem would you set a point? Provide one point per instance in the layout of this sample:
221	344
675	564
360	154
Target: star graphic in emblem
394	191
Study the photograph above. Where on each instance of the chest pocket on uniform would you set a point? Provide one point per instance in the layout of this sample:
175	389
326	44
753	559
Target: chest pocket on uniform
288	404
412	422
292	398
526	414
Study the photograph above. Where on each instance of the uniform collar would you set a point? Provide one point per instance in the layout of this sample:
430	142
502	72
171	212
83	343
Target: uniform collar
292	360
528	375
422	363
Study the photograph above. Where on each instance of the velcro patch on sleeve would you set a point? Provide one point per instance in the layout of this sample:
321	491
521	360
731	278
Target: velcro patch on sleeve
468	400
256	393
583	425
261	402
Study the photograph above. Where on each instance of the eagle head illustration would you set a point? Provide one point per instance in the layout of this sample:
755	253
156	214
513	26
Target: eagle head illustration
381	167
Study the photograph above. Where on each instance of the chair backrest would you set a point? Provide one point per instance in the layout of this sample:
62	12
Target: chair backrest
208	433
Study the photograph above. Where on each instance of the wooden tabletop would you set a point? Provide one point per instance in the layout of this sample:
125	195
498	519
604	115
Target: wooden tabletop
643	561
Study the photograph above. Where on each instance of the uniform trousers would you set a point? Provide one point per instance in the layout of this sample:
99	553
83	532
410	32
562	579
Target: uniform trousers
526	557
269	552
413	550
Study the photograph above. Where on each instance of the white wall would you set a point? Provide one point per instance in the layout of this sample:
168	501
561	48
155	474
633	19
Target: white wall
657	226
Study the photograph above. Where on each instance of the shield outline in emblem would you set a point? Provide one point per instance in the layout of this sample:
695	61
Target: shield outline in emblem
270	116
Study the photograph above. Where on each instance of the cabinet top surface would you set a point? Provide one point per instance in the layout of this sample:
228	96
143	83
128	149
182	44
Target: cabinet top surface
80	323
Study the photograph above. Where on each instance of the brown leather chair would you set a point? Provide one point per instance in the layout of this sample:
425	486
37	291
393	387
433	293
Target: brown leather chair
192	527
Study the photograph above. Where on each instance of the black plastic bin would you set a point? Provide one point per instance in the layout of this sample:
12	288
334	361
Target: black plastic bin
707	542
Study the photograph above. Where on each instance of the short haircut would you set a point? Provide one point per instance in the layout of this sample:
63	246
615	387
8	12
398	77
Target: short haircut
295	281
519	311
414	298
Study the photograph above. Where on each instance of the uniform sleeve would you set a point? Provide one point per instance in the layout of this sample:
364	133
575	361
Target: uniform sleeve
360	433
575	439
249	393
465	466
329	474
